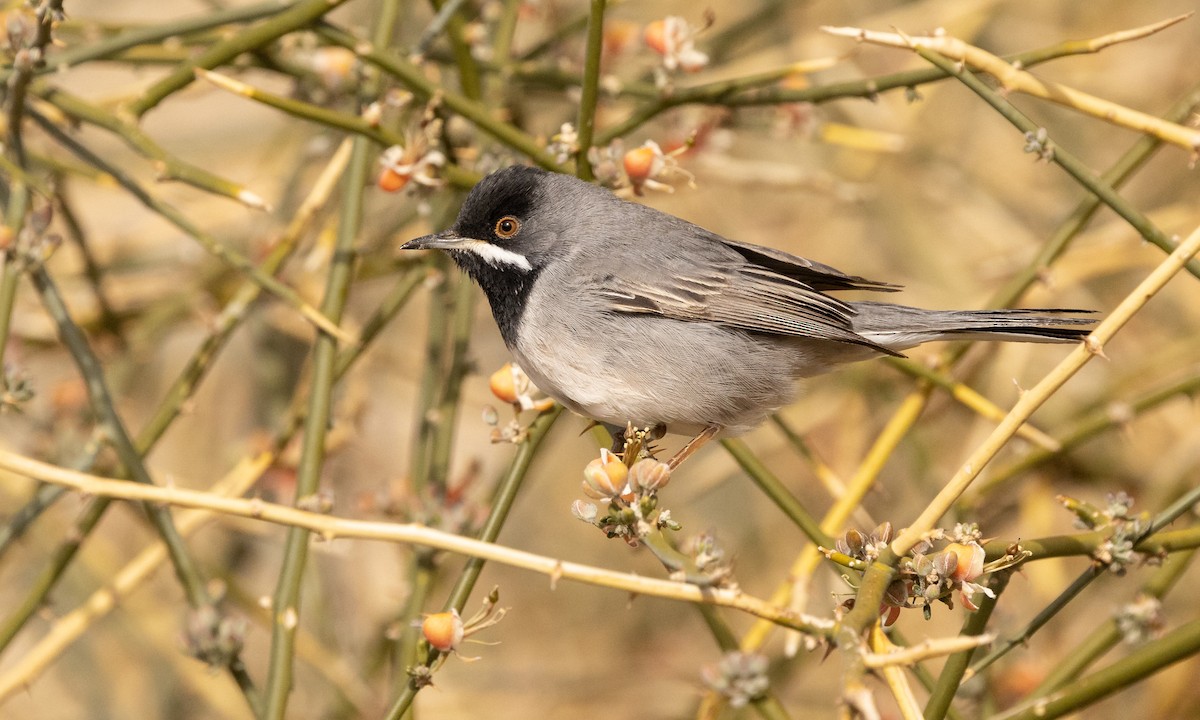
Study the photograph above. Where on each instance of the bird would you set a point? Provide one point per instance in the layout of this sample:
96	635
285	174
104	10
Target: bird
636	318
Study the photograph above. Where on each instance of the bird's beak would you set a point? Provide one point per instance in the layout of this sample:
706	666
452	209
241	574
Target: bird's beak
445	240
497	257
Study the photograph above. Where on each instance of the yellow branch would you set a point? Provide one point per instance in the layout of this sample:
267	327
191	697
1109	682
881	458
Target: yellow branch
332	528
1033	399
1013	78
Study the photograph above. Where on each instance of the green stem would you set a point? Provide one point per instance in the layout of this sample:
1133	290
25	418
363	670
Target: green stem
172	215
286	602
955	667
777	492
451	386
1130	162
412	78
1181	505
506	494
294	17
104	407
591	89
105	410
10	276
115	45
726	94
1139	664
431	374
1059	156
1107	635
91	267
468	69
1088	427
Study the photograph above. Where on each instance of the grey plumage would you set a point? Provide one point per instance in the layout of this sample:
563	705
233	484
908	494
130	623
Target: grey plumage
624	313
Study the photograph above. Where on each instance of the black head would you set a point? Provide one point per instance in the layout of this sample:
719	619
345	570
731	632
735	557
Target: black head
502	238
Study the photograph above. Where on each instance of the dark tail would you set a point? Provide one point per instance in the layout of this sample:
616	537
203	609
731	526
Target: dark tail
898	326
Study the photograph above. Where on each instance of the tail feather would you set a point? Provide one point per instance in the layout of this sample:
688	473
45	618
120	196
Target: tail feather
899	326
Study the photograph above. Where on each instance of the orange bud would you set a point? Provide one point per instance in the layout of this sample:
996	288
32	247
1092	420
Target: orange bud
605	477
970	560
391	181
504	384
655	36
640	163
443	631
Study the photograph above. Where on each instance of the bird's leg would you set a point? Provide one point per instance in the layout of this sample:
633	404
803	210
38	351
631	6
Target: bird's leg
693	445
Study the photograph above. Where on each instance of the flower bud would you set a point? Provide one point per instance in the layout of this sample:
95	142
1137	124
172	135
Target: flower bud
443	631
503	383
392	181
649	475
605	477
970	560
655	36
642	163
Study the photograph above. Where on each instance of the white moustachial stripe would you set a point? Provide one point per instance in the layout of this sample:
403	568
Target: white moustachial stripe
497	256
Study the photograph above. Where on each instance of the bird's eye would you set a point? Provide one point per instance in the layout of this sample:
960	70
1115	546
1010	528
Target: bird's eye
508	226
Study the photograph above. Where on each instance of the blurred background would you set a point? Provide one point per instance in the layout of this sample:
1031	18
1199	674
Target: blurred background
933	192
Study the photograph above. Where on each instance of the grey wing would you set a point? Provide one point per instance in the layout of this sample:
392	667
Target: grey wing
815	275
744	295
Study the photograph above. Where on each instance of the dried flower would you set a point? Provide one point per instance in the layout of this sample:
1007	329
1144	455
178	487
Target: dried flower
214	637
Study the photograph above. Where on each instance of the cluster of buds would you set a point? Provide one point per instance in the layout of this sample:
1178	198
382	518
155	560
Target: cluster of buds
446	631
565	144
511	385
1117	552
15	389
212	636
626	493
929	574
1039	144
739	676
1141	620
675	40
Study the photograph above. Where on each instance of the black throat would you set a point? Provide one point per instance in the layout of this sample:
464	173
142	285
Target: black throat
507	291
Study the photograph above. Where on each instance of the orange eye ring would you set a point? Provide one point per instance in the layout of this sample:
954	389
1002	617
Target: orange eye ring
507	227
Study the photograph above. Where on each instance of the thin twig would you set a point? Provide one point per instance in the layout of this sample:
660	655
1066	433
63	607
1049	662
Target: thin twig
285	606
1012	77
881	572
332	528
586	124
299	14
